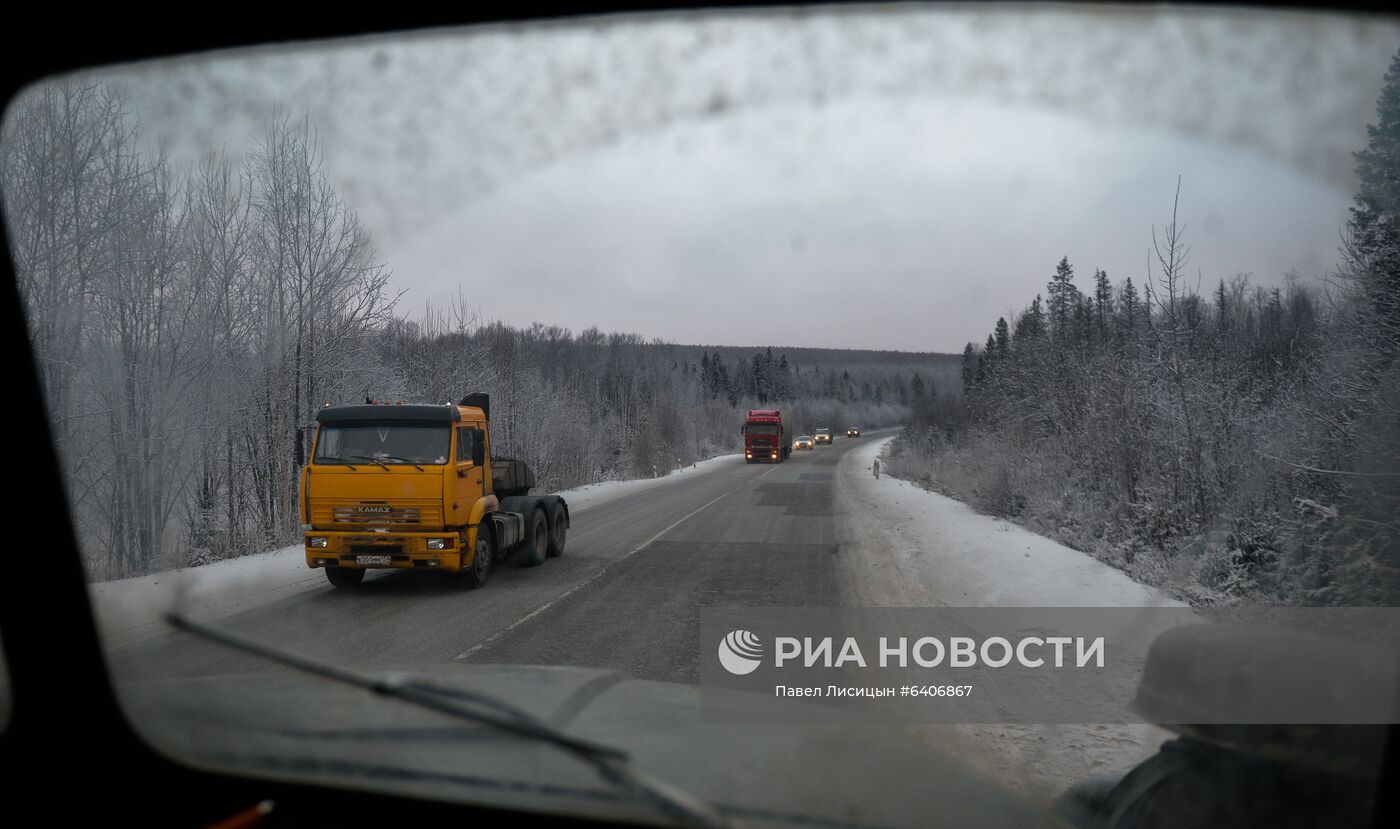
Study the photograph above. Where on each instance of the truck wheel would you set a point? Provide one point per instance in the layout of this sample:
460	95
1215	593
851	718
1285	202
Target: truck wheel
482	559
558	529
345	576
536	538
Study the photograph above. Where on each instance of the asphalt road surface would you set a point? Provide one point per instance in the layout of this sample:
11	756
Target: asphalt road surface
625	595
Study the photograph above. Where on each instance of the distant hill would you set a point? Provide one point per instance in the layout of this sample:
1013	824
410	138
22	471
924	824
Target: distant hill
824	357
943	370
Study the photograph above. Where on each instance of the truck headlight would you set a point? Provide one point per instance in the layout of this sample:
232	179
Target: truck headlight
437	544
317	541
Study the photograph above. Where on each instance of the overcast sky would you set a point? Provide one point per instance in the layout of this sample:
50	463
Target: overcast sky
888	179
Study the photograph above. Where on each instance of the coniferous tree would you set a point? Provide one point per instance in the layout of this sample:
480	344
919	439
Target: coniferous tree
969	369
1222	308
1030	326
1373	245
1063	300
1082	332
1130	310
1103	305
1003	339
989	358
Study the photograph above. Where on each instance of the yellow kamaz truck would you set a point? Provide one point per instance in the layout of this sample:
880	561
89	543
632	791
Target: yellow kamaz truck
414	486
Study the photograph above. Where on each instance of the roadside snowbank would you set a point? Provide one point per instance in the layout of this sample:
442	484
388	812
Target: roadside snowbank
908	547
944	553
129	610
592	495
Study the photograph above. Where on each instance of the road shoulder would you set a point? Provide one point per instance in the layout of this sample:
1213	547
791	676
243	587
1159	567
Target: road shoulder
904	546
916	547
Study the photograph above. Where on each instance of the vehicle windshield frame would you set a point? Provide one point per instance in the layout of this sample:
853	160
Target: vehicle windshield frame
64	597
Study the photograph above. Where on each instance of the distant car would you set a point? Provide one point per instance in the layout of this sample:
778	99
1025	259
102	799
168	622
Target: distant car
853	432
802	442
823	436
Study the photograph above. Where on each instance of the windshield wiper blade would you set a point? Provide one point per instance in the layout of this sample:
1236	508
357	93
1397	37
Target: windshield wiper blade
404	460
611	763
371	460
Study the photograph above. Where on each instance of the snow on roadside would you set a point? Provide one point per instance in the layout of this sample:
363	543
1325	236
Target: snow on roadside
908	547
592	495
966	559
129	610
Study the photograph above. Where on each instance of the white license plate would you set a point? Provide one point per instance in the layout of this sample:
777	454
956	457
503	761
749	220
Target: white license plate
367	560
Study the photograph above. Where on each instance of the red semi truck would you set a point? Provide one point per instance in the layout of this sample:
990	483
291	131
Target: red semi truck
765	439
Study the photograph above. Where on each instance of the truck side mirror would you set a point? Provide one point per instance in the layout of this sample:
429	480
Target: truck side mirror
301	447
478	447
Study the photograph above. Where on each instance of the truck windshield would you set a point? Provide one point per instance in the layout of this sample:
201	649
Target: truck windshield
406	443
761	428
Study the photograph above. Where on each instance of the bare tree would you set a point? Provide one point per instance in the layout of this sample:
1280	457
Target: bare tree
64	195
323	292
1173	326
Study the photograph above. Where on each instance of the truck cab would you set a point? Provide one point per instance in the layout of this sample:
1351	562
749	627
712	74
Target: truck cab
765	437
410	486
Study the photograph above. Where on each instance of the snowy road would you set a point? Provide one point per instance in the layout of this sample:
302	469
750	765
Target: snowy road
816	531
